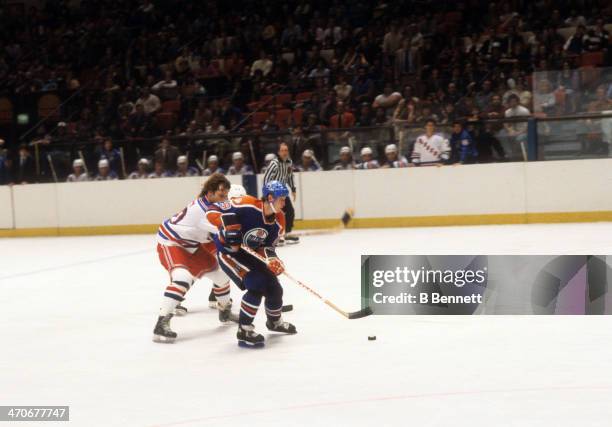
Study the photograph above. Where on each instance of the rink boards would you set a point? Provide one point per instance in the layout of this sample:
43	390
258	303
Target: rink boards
506	193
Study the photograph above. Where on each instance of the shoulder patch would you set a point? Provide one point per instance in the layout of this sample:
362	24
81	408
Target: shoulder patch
224	205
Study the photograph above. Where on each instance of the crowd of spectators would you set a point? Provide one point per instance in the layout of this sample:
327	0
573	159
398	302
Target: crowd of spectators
133	71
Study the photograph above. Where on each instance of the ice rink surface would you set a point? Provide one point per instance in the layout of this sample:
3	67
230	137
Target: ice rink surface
78	313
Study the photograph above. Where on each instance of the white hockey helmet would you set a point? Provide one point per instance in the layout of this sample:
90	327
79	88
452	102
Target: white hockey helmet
365	151
236	190
345	149
78	163
182	159
143	161
391	148
103	164
237	155
212	158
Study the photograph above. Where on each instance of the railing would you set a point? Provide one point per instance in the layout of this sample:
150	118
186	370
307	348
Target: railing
517	139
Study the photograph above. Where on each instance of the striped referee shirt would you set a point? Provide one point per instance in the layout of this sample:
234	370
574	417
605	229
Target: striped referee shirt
282	171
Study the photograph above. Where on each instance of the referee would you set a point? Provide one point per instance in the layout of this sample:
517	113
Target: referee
281	169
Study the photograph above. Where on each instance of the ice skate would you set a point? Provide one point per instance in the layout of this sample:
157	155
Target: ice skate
212	299
248	338
281	326
162	332
225	313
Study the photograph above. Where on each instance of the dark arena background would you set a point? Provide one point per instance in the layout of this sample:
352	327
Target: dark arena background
223	213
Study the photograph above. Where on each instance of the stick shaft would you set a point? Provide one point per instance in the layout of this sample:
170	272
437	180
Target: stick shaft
301	284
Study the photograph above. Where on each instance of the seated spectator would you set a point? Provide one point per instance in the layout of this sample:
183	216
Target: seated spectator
5	172
387	100
167	89
269	157
367	160
167	155
516	129
212	166
576	43
380	119
601	102
263	64
150	102
309	162
138	123
25	169
321	71
430	148
215	126
394	159
342	118
104	171
270	124
159	171
142	171
346	160
343	89
463	148
366	118
238	166
363	87
183	168
78	172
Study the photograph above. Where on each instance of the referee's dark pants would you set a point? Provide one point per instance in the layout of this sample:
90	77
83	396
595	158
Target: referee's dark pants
289	214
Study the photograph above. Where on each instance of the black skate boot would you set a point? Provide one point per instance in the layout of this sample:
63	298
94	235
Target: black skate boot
225	313
292	239
281	326
180	311
162	332
212	299
248	338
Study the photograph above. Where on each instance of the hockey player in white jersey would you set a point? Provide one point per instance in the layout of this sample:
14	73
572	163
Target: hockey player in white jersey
187	252
430	148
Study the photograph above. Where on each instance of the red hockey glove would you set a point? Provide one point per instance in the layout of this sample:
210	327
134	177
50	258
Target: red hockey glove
276	266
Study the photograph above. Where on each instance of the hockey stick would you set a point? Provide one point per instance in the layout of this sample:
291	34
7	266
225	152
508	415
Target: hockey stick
344	221
349	315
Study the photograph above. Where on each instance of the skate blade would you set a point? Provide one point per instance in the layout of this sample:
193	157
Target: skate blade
180	313
245	344
162	339
212	304
229	321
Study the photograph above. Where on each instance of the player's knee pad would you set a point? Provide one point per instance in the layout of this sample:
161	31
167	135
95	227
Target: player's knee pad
181	275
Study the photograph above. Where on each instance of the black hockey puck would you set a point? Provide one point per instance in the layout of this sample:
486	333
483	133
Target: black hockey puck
286	308
372	338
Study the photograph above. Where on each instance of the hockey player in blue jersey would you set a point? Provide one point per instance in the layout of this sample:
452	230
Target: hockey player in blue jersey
257	224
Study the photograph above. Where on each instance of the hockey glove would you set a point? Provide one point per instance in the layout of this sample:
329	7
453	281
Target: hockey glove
231	236
275	265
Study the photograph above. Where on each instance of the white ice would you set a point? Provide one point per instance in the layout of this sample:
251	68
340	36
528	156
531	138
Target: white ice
77	316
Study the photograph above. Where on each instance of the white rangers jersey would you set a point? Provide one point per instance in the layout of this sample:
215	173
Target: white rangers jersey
430	149
189	228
